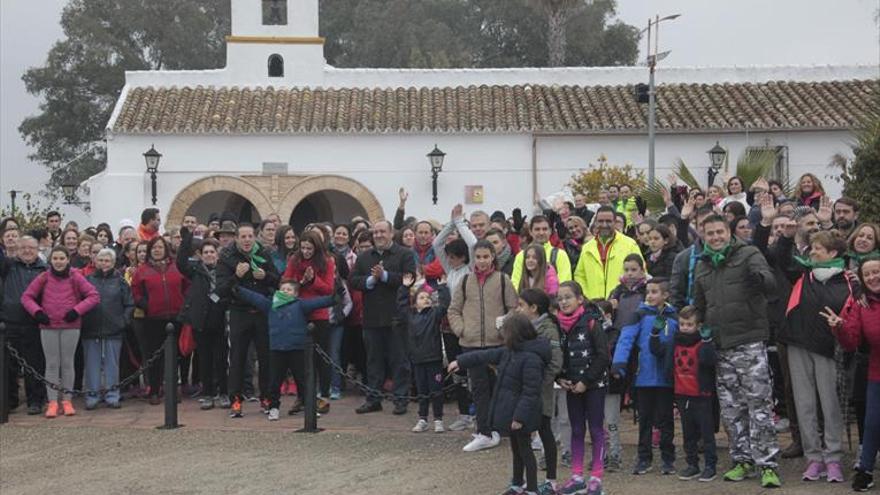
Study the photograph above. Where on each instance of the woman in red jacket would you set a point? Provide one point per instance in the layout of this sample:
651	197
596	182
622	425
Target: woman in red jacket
315	269
57	299
158	289
857	324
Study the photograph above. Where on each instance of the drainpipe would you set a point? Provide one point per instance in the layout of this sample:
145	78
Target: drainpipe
535	197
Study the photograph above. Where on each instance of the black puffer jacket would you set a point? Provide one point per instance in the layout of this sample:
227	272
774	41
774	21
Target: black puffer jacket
15	276
663	266
108	319
230	257
517	394
585	351
804	327
203	307
732	297
423	327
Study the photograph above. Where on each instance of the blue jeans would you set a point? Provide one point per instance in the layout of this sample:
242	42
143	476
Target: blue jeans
101	365
871	441
336	332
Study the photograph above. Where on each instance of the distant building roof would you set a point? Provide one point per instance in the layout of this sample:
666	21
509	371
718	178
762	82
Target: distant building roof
681	107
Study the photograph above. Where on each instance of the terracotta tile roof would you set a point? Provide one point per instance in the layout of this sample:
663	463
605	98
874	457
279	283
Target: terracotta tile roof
681	108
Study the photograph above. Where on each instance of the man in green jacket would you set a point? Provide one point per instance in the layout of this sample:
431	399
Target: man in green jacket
730	287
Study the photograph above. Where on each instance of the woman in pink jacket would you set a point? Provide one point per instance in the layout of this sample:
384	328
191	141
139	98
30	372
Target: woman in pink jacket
57	299
537	273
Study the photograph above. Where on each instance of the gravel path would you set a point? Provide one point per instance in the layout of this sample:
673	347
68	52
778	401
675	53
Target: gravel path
46	459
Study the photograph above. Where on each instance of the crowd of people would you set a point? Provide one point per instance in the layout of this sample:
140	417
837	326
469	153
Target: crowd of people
735	307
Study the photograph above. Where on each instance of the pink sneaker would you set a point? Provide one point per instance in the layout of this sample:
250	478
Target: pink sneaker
815	470
834	472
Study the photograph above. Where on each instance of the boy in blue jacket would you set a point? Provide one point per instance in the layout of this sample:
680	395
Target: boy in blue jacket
657	321
287	336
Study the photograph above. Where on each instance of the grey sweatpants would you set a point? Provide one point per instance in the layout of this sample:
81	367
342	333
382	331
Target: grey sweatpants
612	420
59	347
811	375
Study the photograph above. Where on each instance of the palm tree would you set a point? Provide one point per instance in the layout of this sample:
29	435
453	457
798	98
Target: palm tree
558	13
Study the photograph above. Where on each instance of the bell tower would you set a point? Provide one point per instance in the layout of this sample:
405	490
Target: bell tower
275	42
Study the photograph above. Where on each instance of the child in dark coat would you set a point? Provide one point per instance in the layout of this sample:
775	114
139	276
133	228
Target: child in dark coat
422	320
516	402
287	336
694	371
626	299
584	377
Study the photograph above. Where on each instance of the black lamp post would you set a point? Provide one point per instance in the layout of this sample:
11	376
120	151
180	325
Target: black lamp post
717	155
436	158
152	157
68	190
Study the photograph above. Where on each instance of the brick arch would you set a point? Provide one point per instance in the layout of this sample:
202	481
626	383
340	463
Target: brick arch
336	183
191	193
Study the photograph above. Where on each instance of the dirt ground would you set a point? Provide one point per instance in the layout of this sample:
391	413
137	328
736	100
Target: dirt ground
42	458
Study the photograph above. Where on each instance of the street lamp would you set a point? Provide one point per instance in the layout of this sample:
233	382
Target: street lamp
717	155
653	58
435	157
68	190
152	158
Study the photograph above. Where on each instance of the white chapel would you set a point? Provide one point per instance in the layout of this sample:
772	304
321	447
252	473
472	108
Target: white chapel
280	131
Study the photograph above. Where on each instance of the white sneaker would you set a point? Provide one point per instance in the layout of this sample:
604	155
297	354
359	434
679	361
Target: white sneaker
273	414
463	422
481	442
536	443
496	438
438	426
420	426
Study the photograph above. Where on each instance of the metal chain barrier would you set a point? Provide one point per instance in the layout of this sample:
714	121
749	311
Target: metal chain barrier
29	370
372	392
366	389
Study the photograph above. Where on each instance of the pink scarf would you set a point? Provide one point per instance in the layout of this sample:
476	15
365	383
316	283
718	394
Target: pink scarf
568	321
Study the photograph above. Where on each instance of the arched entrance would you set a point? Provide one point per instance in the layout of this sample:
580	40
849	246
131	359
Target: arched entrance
224	193
301	199
326	206
329	198
224	201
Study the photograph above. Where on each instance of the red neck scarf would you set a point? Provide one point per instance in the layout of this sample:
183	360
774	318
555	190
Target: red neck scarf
483	275
568	321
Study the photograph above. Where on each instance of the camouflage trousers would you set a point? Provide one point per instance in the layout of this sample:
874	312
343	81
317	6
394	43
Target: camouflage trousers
745	392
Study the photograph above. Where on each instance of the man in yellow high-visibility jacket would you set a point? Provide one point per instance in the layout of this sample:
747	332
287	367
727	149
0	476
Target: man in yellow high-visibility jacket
540	230
601	262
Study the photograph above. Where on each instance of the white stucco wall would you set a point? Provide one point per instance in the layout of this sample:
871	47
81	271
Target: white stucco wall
561	156
382	163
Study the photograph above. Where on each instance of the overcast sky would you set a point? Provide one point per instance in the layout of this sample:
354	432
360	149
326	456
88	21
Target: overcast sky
709	33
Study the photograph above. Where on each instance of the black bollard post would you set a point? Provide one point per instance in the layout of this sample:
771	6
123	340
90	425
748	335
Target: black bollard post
170	378
310	421
4	398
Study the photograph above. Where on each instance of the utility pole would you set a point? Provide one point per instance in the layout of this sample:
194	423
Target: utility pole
653	58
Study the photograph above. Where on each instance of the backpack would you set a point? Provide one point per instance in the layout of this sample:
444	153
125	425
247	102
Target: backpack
503	290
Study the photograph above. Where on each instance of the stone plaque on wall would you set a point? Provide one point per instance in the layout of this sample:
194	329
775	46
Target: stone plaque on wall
473	195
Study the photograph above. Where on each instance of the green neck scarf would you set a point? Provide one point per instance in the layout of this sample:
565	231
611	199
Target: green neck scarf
280	299
857	258
256	259
810	264
716	257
